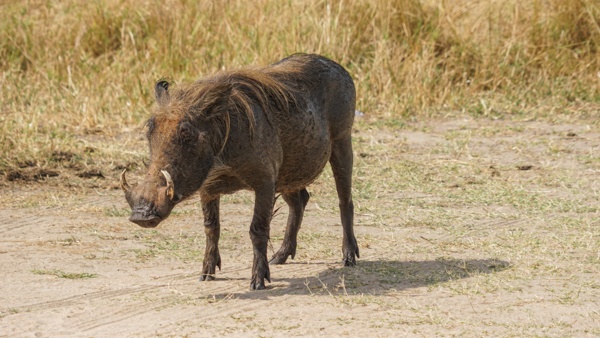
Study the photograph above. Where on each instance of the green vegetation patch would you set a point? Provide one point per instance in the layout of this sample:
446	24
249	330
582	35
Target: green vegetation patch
62	274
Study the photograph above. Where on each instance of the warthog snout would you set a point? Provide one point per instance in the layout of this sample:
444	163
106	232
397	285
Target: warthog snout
144	218
149	206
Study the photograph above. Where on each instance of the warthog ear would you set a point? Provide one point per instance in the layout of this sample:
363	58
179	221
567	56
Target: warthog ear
161	91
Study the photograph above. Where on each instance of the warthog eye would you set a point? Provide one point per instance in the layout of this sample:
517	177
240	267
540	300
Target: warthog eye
186	133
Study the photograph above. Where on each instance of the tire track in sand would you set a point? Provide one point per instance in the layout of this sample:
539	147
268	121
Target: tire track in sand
16	222
177	288
182	291
77	299
123	314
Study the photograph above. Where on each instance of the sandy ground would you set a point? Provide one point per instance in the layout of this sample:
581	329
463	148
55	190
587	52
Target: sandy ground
465	227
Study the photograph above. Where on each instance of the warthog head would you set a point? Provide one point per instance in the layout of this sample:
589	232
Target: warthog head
185	135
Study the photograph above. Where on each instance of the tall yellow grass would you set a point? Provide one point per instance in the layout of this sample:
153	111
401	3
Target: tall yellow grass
74	67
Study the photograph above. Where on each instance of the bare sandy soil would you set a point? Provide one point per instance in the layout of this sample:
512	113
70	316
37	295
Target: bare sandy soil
466	228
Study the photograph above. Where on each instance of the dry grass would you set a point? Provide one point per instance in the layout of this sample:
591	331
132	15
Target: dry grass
72	70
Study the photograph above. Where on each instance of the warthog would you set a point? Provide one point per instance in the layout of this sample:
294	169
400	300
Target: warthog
270	130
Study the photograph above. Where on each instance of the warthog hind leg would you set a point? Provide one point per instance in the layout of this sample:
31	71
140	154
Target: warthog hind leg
259	234
297	202
212	258
341	165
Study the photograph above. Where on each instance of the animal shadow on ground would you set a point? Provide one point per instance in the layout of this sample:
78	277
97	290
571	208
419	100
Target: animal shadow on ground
377	277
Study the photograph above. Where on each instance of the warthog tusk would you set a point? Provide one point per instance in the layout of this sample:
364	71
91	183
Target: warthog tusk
170	186
123	182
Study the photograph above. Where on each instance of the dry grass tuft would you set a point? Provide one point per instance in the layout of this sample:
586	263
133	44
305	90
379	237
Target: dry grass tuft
70	68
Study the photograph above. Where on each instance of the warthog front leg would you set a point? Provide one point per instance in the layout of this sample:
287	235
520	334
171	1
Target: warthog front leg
259	234
297	202
212	259
341	165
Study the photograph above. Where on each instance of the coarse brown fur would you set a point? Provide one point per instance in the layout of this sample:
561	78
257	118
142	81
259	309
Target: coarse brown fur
270	130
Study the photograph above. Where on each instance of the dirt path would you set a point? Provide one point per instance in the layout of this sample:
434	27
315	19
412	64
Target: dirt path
467	228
